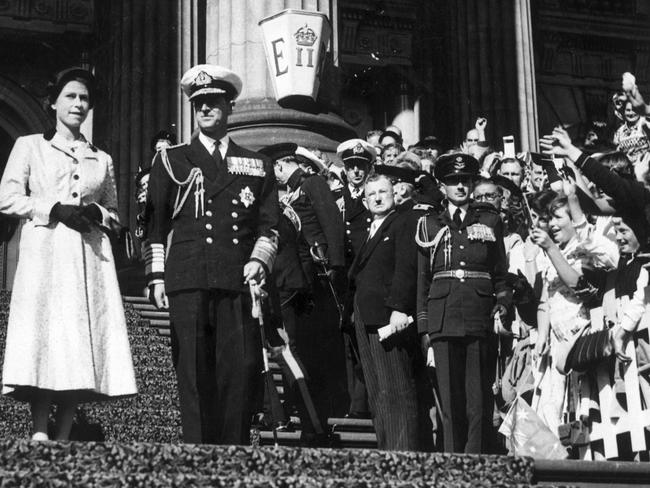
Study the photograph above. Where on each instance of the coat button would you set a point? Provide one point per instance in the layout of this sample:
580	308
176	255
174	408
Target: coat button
234	202
210	200
208	226
347	222
75	194
76	177
368	219
348	231
235	241
462	263
208	213
209	240
234	215
461	247
235	227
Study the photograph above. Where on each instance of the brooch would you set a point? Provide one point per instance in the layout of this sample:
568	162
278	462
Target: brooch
246	196
480	232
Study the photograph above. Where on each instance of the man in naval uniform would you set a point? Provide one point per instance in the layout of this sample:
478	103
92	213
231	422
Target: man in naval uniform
320	235
214	213
461	288
358	157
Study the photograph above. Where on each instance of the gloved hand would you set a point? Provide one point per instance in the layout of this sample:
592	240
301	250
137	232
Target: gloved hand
92	213
71	216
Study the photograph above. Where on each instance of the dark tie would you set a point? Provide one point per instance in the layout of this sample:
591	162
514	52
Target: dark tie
216	154
457	220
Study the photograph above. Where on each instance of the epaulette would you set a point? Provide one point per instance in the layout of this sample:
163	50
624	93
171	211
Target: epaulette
174	146
423	207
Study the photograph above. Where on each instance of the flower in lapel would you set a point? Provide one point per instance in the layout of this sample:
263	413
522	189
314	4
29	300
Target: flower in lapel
246	196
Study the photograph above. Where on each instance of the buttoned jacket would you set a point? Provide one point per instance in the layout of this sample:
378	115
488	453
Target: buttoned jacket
459	305
207	248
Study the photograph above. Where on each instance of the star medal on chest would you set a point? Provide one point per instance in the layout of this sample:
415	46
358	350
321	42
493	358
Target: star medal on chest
480	232
246	196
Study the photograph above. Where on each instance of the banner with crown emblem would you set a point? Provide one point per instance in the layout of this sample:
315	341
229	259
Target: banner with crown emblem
296	42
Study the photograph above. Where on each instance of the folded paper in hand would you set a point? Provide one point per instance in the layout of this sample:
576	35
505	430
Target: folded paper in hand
388	330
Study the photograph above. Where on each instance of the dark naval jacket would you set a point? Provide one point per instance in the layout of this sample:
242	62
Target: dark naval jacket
357	220
320	222
460	305
208	249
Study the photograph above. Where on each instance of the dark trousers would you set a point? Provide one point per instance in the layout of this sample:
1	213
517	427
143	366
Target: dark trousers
465	369
216	349
323	354
388	371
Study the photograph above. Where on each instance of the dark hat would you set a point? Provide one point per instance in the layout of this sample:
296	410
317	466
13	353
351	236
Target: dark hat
280	150
356	151
69	74
507	183
163	135
210	79
640	226
456	164
403	175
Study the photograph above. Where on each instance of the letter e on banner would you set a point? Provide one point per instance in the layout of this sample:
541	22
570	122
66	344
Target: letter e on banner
277	55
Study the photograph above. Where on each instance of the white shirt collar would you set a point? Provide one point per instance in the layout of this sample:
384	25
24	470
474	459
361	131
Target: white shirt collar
452	210
376	223
354	191
208	142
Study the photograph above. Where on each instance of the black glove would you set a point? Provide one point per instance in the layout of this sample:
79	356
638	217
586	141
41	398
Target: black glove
92	213
70	216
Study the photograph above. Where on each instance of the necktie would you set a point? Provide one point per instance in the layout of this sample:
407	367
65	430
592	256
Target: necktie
216	154
457	219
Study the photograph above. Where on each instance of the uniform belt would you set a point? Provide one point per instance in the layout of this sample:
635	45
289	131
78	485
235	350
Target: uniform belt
462	274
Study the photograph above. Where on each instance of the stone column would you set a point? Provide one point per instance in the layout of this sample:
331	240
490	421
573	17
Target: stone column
138	72
482	74
187	25
527	95
234	39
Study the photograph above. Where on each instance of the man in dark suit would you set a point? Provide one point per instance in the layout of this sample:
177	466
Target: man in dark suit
385	296
212	230
461	269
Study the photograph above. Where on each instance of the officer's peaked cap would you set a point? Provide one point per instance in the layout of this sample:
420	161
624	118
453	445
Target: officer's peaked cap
280	150
210	79
356	151
456	164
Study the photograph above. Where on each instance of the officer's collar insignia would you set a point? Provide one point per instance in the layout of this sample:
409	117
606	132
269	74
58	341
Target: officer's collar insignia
459	164
245	166
246	196
358	149
202	79
480	232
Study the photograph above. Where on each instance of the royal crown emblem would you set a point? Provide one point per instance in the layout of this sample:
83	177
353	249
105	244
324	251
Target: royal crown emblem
305	36
459	164
358	149
202	79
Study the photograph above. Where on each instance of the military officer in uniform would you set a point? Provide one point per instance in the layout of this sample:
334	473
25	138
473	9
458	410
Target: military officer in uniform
358	157
320	236
212	231
461	288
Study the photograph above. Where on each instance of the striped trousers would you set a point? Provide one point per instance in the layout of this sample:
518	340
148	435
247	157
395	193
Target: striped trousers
388	369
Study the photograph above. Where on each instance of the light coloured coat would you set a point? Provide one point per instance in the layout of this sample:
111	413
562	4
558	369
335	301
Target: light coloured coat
67	328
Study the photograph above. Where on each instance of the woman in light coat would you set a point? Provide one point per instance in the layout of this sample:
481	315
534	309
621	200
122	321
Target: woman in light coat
66	337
